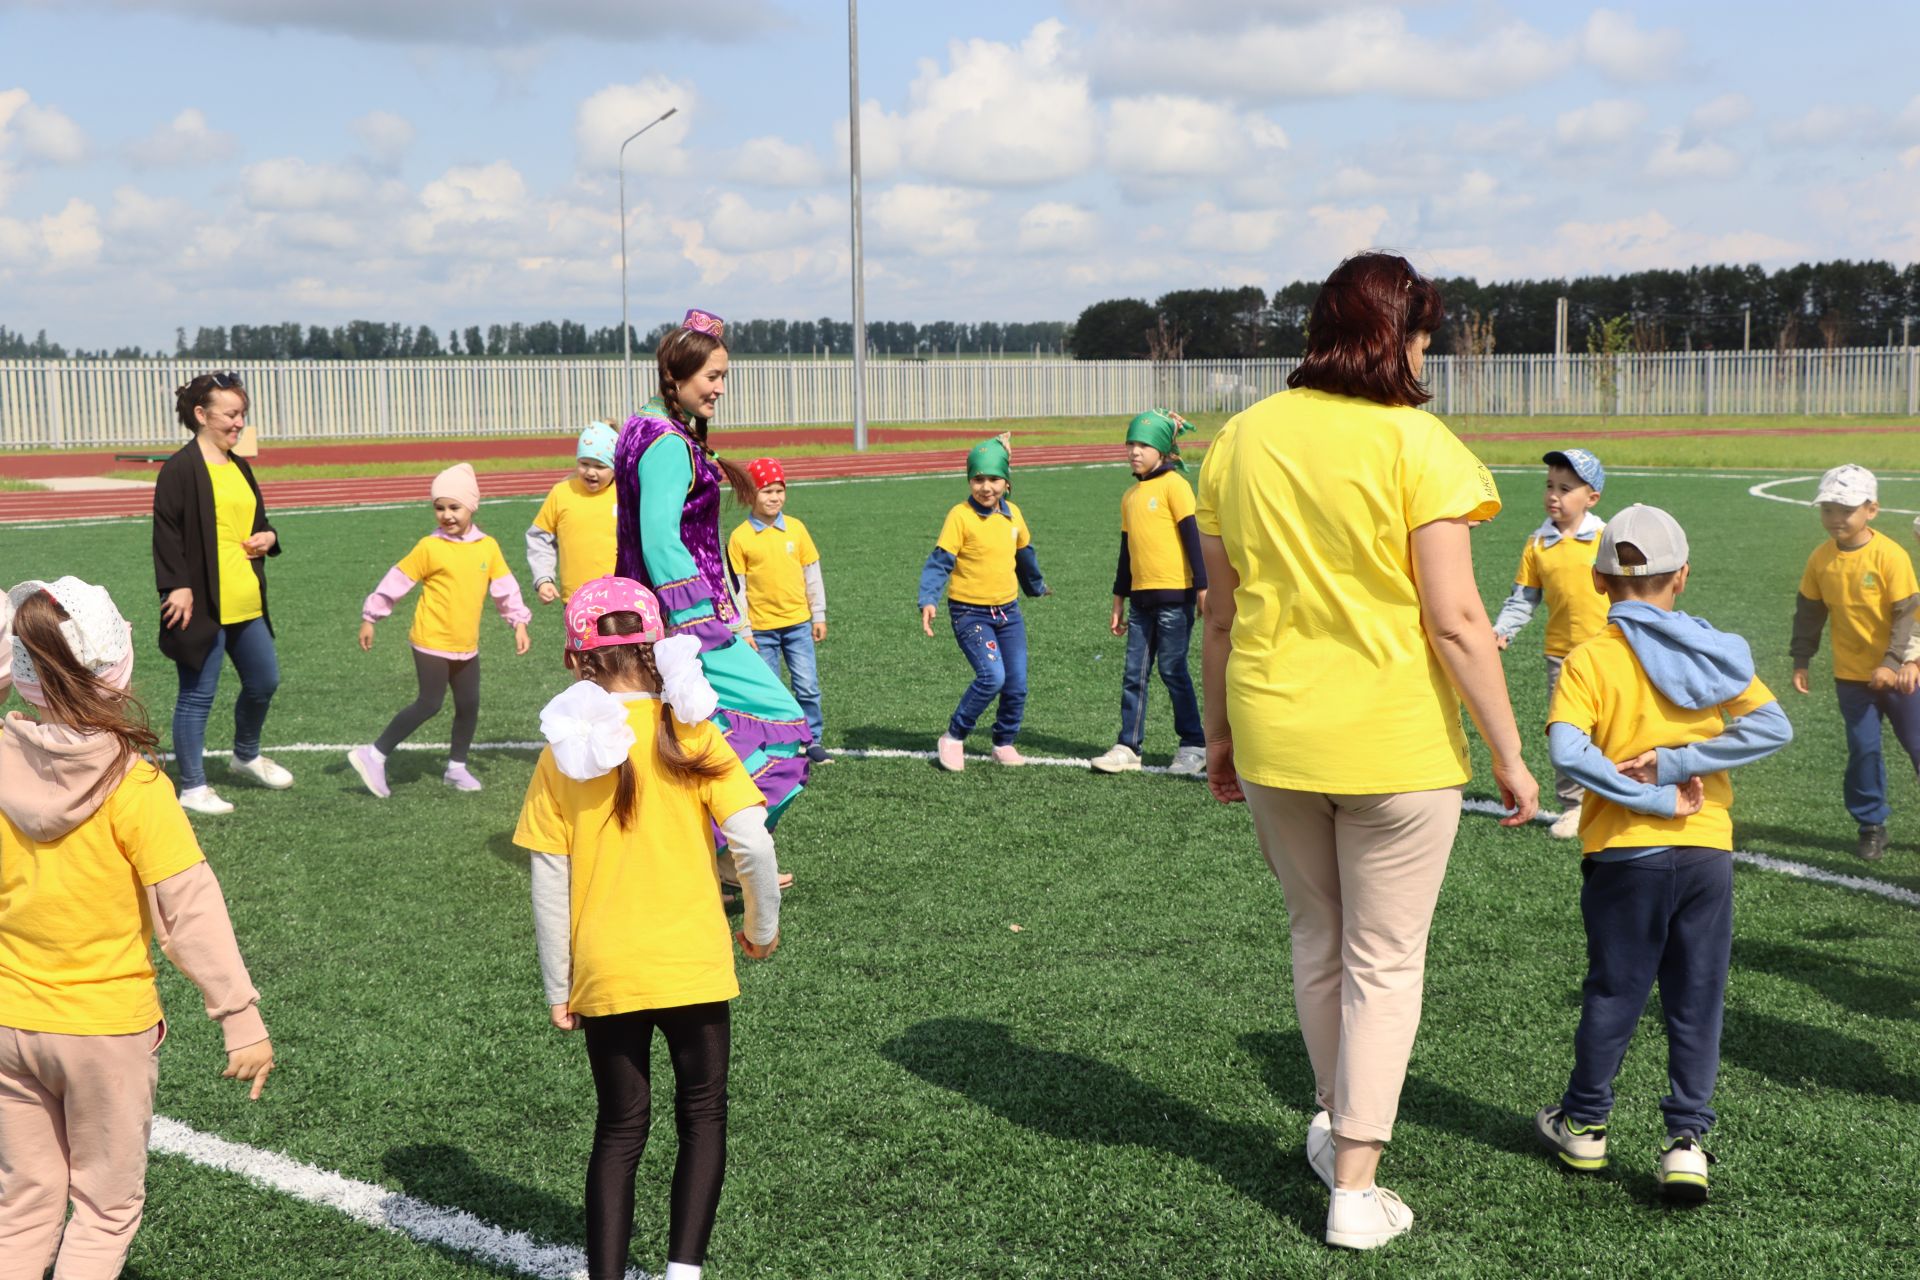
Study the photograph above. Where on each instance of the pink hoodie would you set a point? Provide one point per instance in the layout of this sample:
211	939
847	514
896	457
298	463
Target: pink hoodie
46	771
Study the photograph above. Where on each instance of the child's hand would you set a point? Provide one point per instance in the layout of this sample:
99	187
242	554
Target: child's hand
754	950
1222	779
819	632
1642	768
520	641
562	1017
1688	798
547	592
1118	623
366	636
1800	680
1501	641
250	1062
926	619
1909	678
1882	679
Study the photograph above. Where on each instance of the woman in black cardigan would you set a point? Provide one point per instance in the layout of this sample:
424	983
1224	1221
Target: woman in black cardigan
210	540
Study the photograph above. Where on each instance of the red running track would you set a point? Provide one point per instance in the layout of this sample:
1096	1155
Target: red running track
282	495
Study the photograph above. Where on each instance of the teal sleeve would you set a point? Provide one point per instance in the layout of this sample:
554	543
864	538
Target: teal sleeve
666	477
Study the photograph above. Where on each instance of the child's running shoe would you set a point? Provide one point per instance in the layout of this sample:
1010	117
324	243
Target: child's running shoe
1119	758
1567	825
1580	1146
459	778
1683	1168
1320	1147
372	768
1873	841
1189	762
1008	755
950	754
1366	1219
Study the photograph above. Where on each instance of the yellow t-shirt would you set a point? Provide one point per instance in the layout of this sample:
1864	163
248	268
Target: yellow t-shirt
234	507
75	937
1606	695
983	548
1563	573
1859	588
772	561
585	529
454	578
648	930
1332	685
1150	516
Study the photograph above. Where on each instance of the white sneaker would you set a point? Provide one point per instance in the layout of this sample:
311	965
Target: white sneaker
1119	758
1320	1147
1683	1168
1567	825
263	771
1189	762
203	800
1366	1219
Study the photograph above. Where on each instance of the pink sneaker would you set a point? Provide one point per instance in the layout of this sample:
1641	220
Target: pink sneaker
458	778
1008	754
950	754
372	770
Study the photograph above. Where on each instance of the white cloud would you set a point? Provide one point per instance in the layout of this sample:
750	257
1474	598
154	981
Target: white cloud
1634	243
1907	123
1171	136
999	115
67	239
1823	125
38	133
1215	230
135	213
1052	226
774	162
1326	232
608	117
288	184
1504	135
1673	159
1615	43
184	141
386	137
1606	123
735	226
1716	114
930	220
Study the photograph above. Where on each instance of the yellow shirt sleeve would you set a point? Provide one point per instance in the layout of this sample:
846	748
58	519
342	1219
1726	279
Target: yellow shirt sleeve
1810	576
1206	511
1021	537
1901	582
150	826
1529	575
809	554
952	535
1179	497
544	827
416	564
497	566
1748	700
1444	481
549	514
736	549
1575	701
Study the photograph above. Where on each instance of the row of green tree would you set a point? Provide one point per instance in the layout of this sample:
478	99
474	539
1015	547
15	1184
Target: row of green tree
1823	304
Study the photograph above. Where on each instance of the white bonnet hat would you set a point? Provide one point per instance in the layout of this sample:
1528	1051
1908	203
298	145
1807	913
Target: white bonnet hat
100	639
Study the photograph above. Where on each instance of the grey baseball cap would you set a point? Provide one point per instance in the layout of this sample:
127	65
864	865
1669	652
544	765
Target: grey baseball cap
1658	536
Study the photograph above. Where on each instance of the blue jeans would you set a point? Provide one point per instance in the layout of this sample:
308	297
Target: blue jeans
1667	916
1866	782
795	643
250	645
1158	634
995	642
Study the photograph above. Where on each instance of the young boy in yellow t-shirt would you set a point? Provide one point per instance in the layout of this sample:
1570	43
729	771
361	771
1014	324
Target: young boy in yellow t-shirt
1864	582
782	593
573	537
1557	569
1649	716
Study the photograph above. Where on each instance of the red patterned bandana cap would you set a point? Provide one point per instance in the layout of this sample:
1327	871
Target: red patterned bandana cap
766	471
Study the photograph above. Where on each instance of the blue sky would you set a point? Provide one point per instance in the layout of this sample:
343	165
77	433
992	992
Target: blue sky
188	162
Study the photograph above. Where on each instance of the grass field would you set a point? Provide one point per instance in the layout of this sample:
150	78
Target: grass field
1118	1088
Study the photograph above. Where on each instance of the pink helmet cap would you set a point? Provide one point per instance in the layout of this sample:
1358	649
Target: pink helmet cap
612	595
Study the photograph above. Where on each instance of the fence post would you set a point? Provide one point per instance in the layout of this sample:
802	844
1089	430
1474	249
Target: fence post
1707	356
1913	381
384	399
56	417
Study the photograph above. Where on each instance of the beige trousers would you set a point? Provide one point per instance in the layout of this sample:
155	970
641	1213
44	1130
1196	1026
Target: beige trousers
1361	875
75	1112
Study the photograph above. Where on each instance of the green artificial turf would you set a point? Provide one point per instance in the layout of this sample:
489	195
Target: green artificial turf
1115	1089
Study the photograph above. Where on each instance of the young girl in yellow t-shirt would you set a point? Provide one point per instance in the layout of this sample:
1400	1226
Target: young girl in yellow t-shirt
97	859
460	568
631	932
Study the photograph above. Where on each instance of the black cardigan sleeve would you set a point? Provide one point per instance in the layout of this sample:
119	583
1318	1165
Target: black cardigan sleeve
172	558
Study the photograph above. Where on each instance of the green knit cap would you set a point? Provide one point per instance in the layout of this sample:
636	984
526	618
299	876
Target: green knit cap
992	458
1160	429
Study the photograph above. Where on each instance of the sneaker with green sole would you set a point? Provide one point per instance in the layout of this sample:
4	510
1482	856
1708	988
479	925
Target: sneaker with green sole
1683	1168
1579	1146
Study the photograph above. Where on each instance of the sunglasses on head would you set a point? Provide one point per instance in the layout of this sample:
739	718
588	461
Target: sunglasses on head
224	381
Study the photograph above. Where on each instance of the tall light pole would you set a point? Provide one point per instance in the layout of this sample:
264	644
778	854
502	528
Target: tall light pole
859	266
626	330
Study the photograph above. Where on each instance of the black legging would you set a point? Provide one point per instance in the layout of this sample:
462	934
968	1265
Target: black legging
618	1045
435	673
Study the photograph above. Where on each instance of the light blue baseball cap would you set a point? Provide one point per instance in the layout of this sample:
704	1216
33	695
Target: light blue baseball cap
1582	464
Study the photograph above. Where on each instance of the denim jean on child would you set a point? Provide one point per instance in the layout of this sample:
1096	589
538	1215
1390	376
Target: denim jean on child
1665	916
795	643
995	642
1158	635
250	645
1866	780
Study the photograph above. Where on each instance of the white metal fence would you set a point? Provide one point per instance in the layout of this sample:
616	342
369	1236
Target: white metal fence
78	404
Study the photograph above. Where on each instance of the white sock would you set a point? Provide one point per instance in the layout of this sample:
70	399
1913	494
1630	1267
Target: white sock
379	756
682	1271
1350	1196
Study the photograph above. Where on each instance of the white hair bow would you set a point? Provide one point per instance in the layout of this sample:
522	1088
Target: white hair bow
683	680
587	728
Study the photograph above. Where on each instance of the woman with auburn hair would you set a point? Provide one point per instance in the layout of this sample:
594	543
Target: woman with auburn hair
669	482
1344	629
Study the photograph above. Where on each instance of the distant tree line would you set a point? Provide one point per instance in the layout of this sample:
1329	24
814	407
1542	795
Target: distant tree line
1825	304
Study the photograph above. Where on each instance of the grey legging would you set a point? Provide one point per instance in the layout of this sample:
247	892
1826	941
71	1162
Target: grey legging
435	674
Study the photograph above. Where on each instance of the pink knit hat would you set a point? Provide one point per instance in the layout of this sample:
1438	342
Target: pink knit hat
612	595
460	484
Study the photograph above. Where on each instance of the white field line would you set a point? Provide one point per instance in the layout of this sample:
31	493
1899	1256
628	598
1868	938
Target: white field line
1766	491
1766	862
375	1206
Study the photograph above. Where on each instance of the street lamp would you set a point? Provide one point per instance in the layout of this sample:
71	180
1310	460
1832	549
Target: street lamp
626	330
859	262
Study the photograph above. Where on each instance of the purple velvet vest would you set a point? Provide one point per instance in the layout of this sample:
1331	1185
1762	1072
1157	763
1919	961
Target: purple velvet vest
699	520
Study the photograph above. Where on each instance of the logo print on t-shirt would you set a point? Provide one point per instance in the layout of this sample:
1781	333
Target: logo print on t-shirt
789	546
1153	504
1869	581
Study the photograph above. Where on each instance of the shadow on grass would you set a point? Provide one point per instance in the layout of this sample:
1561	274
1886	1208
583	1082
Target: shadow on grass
875	737
500	844
1794	1054
1080	1099
445	1175
1858	985
1787	840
